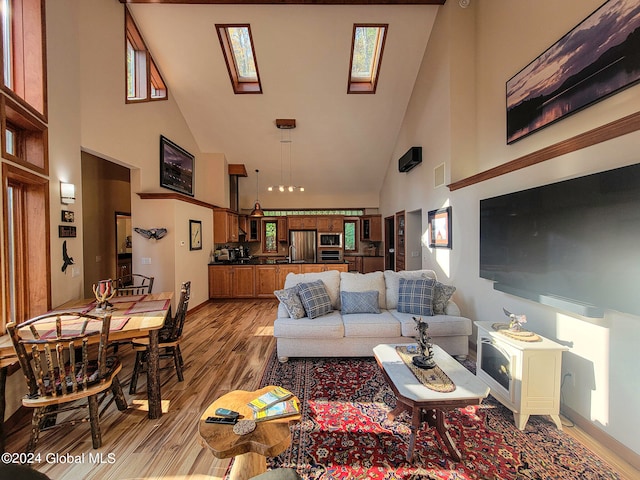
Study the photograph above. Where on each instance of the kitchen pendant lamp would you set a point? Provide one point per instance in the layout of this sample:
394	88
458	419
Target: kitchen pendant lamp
257	209
285	125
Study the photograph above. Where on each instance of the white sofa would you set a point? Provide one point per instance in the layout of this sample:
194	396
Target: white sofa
354	335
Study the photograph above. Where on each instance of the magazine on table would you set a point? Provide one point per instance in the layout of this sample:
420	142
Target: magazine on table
273	396
282	409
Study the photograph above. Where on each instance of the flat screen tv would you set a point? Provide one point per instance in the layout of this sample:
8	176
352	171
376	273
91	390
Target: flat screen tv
573	244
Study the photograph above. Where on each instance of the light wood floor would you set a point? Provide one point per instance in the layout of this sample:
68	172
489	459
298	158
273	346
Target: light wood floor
225	345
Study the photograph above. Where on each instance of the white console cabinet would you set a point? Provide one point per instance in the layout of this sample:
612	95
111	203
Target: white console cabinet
523	376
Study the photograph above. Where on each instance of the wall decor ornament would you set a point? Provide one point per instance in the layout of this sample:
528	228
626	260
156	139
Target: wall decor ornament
153	233
440	228
596	59
65	257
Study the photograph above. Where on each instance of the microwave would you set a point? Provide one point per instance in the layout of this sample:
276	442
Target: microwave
329	239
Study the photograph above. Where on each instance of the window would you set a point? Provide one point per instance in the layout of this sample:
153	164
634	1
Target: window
23	52
270	236
350	237
367	46
239	54
144	82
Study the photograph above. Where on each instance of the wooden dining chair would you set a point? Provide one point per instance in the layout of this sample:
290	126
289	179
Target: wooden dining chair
169	340
63	359
134	284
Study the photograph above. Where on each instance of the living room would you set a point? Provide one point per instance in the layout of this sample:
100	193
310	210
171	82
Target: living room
455	110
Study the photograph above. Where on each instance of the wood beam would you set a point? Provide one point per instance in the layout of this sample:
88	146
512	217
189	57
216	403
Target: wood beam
292	2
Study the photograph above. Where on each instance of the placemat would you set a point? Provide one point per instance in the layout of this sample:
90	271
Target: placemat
522	335
433	378
127	299
74	327
149	306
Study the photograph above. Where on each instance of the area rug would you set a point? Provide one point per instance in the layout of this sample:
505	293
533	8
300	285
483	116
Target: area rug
344	433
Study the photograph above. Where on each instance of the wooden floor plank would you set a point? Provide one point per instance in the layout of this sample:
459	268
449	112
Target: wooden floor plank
225	345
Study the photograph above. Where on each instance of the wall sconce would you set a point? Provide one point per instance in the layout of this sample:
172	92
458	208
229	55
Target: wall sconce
67	193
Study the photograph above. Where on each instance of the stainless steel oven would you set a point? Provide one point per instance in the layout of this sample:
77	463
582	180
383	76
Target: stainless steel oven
329	239
330	255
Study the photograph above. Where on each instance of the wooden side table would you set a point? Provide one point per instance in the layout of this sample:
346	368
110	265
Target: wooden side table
269	439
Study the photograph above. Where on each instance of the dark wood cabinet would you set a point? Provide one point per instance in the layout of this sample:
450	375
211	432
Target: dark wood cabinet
371	228
333	223
400	241
225	226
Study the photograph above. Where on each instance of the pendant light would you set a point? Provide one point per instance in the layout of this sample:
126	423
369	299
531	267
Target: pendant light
257	209
285	126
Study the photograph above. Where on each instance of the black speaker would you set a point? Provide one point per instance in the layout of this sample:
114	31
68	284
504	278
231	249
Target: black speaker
410	159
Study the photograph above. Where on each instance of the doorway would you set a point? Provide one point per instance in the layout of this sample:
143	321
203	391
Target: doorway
106	188
389	243
414	240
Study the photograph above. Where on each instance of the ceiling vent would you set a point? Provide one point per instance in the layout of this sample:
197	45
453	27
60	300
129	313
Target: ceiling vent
410	159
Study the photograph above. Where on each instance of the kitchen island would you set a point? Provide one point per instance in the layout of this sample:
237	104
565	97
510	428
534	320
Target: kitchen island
258	279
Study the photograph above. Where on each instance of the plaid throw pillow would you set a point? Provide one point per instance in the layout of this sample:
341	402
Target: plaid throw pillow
416	296
315	298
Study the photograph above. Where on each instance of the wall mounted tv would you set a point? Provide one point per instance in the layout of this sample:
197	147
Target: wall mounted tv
574	245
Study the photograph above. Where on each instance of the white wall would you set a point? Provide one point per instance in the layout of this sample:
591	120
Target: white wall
471	54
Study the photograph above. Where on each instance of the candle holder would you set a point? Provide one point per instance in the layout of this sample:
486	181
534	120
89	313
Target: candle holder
425	359
104	291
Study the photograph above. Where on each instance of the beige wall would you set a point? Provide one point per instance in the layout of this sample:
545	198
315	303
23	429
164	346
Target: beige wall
506	37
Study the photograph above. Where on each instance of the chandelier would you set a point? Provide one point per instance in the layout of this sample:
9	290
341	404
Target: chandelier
285	126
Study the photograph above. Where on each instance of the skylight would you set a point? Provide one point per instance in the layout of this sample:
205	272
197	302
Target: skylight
366	57
239	54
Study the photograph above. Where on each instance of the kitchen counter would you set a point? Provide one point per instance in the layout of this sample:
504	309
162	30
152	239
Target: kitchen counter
270	261
257	278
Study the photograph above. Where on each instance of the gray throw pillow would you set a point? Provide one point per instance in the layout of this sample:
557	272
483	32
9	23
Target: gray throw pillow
359	302
291	301
416	296
441	295
315	299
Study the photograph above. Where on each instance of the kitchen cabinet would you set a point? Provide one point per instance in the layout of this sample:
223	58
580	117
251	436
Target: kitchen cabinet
243	281
225	226
251	281
333	223
372	264
282	231
243	225
254	229
301	222
354	263
371	228
231	281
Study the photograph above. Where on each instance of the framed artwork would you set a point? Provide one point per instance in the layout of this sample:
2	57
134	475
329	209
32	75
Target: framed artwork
176	167
67	216
195	235
596	59
440	228
66	231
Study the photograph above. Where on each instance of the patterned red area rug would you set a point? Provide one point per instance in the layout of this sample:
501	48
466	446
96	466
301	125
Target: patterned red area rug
345	434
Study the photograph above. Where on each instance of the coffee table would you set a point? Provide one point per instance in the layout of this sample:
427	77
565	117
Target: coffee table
269	439
423	403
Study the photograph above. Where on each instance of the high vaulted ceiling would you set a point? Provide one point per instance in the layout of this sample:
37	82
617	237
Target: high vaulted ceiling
343	143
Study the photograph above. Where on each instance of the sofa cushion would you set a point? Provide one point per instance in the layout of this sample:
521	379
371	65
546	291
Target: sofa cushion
366	325
415	296
441	295
331	280
392	282
315	298
359	302
439	325
358	282
291	301
325	327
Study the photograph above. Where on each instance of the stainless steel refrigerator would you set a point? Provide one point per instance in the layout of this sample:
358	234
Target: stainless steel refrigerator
302	245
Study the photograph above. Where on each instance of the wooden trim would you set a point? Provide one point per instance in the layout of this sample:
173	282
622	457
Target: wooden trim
237	169
617	128
175	196
292	2
604	438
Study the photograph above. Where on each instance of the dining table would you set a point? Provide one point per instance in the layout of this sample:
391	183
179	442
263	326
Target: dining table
132	316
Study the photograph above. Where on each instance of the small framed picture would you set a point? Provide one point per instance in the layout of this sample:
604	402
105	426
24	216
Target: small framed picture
67	216
195	235
66	231
440	228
